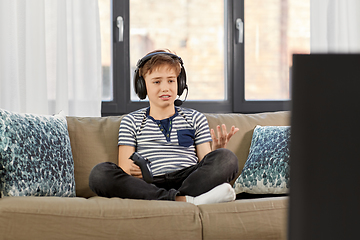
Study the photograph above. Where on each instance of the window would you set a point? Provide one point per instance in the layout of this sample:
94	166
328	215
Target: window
198	38
273	32
236	53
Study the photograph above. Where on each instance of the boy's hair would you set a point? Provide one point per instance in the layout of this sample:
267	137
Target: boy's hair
159	60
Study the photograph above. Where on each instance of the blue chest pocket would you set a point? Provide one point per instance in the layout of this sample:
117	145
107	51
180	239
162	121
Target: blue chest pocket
186	137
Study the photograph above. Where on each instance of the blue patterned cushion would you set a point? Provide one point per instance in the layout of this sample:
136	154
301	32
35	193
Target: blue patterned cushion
266	170
35	156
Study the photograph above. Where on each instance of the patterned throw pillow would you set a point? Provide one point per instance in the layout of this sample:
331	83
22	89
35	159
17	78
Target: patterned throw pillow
266	170
35	156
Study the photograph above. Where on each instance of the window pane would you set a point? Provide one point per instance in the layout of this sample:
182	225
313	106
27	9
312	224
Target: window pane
273	32
194	30
106	49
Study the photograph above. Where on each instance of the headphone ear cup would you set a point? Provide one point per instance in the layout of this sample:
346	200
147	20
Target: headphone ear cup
181	82
140	86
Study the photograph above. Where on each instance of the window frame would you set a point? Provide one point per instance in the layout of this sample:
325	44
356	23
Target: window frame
235	81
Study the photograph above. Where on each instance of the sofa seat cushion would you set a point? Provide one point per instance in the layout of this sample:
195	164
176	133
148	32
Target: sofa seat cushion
97	218
245	219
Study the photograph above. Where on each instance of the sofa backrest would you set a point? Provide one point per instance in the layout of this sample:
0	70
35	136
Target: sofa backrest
94	140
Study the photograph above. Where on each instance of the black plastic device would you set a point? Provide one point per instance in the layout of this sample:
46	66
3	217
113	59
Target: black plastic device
144	165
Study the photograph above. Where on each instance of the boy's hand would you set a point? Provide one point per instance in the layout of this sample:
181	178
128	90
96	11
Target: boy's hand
135	171
223	136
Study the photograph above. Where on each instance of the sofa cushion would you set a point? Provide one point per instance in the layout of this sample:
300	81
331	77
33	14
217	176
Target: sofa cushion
93	140
98	218
264	218
266	170
35	156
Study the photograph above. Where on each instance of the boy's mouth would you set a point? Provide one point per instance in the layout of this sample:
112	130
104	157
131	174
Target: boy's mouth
165	96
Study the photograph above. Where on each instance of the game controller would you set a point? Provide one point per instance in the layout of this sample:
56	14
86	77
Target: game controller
144	165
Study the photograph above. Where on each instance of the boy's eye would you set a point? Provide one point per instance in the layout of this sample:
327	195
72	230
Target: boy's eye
156	82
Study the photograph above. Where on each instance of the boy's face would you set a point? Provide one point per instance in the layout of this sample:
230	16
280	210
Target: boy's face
161	86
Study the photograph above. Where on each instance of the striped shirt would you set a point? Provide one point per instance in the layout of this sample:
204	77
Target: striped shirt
188	129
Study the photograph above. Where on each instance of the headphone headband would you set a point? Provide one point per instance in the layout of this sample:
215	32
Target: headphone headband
139	81
143	60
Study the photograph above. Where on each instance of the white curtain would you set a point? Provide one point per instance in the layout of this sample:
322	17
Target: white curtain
335	26
50	59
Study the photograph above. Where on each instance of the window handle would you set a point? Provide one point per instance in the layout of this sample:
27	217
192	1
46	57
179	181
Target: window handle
240	28
120	25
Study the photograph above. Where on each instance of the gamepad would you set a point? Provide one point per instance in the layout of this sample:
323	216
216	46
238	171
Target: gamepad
144	165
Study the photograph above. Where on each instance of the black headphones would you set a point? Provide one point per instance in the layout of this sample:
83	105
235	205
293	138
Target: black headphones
139	81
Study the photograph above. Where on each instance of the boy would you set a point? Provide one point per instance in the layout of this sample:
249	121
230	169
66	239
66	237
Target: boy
176	141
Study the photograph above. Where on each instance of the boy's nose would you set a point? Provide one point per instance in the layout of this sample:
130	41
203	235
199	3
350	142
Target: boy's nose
165	87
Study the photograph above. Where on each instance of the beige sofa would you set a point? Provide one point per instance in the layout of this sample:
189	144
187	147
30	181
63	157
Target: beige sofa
87	216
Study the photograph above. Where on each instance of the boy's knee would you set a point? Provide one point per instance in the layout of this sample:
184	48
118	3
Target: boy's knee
98	170
99	175
225	155
224	160
229	163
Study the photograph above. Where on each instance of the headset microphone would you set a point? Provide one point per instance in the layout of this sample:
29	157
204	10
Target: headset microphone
178	102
